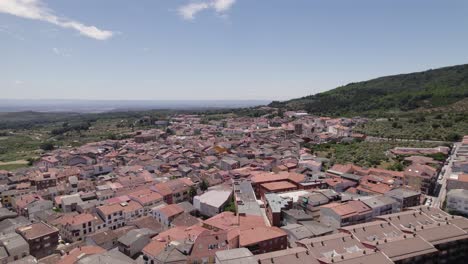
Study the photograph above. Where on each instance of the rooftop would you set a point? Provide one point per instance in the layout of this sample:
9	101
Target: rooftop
278	186
36	230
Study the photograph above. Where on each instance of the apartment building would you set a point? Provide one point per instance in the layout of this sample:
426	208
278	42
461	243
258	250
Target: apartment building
343	214
457	200
41	237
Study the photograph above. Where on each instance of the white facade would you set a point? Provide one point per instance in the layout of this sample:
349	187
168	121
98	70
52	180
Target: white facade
212	202
457	199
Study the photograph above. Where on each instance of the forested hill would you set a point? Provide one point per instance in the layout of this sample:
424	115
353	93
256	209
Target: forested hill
444	89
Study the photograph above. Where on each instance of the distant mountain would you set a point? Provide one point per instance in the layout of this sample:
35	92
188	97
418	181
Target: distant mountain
443	89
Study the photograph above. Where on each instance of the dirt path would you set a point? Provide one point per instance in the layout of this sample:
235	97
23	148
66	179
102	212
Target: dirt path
14	162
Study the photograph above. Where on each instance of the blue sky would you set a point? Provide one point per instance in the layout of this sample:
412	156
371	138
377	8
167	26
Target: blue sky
219	49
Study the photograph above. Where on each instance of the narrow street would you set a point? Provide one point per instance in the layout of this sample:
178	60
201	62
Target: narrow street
443	176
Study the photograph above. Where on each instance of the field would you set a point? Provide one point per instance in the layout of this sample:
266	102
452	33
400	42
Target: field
446	127
25	138
362	153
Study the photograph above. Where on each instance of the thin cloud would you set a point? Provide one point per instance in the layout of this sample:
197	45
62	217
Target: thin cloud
189	11
61	52
36	10
7	30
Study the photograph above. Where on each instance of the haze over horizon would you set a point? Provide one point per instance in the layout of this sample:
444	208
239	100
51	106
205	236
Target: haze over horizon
219	49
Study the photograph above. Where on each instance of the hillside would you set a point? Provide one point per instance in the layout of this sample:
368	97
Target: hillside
443	89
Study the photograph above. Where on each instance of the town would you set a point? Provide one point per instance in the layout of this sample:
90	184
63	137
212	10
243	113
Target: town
236	190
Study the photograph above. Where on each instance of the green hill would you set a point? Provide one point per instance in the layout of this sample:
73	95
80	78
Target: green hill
441	89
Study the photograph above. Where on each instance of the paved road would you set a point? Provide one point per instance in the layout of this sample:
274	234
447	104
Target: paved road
443	176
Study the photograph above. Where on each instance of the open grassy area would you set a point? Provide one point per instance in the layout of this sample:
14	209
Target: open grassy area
13	166
447	127
362	153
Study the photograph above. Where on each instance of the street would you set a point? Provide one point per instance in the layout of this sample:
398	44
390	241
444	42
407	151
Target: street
442	178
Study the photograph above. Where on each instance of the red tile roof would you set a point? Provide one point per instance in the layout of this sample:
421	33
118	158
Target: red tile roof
259	234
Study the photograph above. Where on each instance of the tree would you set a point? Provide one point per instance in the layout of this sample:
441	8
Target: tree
204	185
281	112
170	131
47	146
192	192
453	137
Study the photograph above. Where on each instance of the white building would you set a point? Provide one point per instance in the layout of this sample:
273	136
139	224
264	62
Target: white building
457	199
212	202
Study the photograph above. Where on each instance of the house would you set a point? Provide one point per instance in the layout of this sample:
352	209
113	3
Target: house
106	239
457	200
74	227
164	214
12	247
44	180
10	224
311	165
339	184
68	203
206	244
235	255
229	164
146	136
405	197
457	181
296	255
148	222
79	159
112	256
47	162
274	206
146	198
306	229
42	238
460	166
263	239
116	215
174	191
420	151
343	214
276	187
172	245
134	241
212	202
185	219
339	131
30	204
4	174
420	177
381	205
5	213
79	253
245	200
